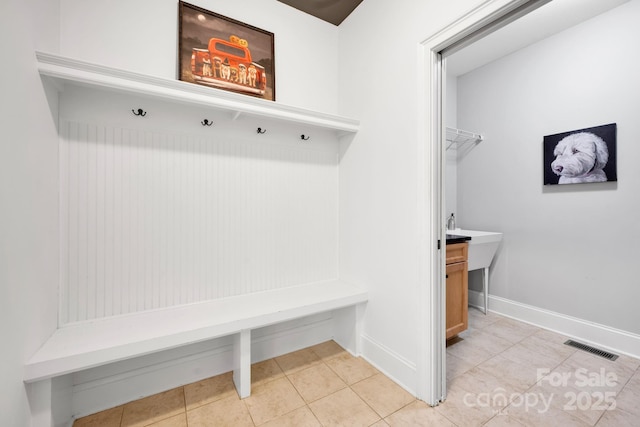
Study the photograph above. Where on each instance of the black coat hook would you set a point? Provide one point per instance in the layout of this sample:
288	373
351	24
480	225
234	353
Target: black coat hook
206	122
140	112
260	130
304	138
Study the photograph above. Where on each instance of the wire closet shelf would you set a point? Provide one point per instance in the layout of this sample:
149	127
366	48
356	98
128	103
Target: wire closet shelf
461	137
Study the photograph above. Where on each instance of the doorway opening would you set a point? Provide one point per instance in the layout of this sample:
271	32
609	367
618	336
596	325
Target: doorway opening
476	28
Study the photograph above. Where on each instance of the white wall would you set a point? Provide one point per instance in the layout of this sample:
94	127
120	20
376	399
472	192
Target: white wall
381	176
569	249
142	36
28	198
161	211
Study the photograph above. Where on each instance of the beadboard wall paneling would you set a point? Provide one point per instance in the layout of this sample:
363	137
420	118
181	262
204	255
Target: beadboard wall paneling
152	218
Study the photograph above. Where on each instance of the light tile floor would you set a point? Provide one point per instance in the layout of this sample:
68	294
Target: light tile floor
500	372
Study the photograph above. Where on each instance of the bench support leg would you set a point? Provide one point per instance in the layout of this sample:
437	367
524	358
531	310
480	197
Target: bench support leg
50	401
40	400
347	327
242	363
358	327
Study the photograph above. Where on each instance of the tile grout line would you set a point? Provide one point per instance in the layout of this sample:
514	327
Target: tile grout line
349	386
621	389
184	400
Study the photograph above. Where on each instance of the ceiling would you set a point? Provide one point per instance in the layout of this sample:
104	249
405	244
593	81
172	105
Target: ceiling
547	20
333	11
551	18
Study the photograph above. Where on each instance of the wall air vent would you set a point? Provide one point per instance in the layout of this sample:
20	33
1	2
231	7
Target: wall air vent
592	350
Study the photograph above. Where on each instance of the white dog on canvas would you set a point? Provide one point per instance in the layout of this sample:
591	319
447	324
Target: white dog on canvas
580	157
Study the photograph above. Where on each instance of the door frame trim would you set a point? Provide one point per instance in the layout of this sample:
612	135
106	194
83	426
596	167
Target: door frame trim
432	381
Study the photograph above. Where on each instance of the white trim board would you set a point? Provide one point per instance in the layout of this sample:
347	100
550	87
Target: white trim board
402	371
431	374
612	339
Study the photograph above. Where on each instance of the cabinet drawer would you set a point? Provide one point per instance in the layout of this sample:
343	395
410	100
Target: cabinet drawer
457	252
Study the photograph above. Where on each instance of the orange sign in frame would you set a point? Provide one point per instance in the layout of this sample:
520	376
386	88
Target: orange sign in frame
224	53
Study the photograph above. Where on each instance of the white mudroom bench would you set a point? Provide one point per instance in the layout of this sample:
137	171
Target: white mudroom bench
89	344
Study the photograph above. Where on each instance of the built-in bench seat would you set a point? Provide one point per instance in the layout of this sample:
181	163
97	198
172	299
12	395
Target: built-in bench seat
94	343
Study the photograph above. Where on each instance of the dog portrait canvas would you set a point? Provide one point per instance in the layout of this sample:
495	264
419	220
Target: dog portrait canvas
581	156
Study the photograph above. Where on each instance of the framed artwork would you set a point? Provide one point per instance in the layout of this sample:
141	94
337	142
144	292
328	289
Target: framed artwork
581	156
220	52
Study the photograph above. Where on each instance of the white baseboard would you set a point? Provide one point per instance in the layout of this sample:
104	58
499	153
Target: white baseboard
105	387
133	382
612	339
287	337
400	370
476	299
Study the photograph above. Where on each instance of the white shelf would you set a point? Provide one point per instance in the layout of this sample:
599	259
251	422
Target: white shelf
459	136
62	70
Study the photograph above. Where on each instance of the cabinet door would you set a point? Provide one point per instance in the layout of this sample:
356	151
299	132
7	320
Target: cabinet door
457	298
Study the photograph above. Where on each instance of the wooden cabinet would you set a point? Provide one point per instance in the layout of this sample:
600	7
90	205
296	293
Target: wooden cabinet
457	296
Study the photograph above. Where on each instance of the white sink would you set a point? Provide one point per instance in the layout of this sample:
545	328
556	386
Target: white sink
482	246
